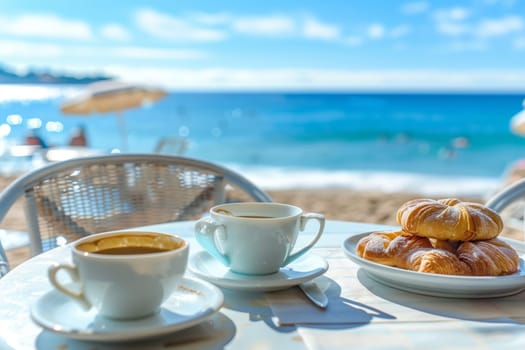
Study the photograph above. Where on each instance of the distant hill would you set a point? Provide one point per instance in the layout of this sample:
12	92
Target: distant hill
7	76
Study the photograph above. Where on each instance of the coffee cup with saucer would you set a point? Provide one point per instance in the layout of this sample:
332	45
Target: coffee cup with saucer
124	285
123	275
252	246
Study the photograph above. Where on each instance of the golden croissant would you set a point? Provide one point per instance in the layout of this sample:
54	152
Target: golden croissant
478	258
449	219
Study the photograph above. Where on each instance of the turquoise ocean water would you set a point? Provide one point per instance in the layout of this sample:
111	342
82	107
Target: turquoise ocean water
431	143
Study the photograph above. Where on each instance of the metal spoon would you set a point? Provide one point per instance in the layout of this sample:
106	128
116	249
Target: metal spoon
314	294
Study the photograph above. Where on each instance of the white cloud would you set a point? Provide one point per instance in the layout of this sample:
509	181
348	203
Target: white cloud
315	29
452	14
452	21
16	49
453	28
136	52
45	26
211	18
174	28
116	32
214	26
457	22
413	8
21	49
220	26
376	31
268	25
457	14
499	27
315	79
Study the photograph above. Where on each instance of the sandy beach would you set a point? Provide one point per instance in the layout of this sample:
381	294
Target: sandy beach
334	203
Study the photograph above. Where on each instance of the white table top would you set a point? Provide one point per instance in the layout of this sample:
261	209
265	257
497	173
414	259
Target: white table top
394	319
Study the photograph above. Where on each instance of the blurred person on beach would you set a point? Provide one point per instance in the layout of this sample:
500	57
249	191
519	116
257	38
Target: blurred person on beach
33	139
79	137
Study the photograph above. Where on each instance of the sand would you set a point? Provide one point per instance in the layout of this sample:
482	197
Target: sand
334	203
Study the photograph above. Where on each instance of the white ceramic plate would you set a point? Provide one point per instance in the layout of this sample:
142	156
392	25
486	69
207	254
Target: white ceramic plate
193	302
441	285
305	268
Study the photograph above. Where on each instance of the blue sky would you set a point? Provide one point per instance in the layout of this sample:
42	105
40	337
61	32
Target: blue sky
269	45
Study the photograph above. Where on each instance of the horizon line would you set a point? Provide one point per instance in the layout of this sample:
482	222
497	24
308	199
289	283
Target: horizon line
295	89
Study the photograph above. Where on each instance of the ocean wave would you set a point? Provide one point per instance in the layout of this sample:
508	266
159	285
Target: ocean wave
283	178
275	178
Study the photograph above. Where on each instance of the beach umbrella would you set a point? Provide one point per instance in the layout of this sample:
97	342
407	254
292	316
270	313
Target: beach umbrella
111	96
517	122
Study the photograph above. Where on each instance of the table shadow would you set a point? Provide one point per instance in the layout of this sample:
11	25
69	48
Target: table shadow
211	334
362	314
258	309
457	308
253	304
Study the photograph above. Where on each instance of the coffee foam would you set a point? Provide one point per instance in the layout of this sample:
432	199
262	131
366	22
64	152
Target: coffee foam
150	240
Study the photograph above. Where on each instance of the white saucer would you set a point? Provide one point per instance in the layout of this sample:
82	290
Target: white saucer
441	285
305	268
193	302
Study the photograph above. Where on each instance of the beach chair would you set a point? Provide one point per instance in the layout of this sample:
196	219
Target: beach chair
74	198
510	199
4	264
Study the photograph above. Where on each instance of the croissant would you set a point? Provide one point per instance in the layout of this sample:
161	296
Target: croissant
449	219
478	258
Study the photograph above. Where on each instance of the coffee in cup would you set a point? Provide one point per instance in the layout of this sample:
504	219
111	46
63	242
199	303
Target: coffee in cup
255	238
124	275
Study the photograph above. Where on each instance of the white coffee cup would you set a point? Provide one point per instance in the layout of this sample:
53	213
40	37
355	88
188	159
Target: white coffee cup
124	275
255	238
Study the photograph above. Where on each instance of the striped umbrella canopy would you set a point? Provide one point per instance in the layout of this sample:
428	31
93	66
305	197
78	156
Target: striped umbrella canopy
111	96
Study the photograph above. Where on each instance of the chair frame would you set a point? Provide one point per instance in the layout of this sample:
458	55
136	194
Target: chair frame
507	196
23	186
4	264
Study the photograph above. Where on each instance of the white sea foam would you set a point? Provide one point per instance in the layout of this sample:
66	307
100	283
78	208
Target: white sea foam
273	178
279	178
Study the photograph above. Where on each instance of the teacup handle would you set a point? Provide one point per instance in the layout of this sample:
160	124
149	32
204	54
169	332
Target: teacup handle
302	225
207	233
73	274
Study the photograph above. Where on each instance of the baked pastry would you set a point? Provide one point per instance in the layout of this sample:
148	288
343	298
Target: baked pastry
449	219
478	258
489	258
